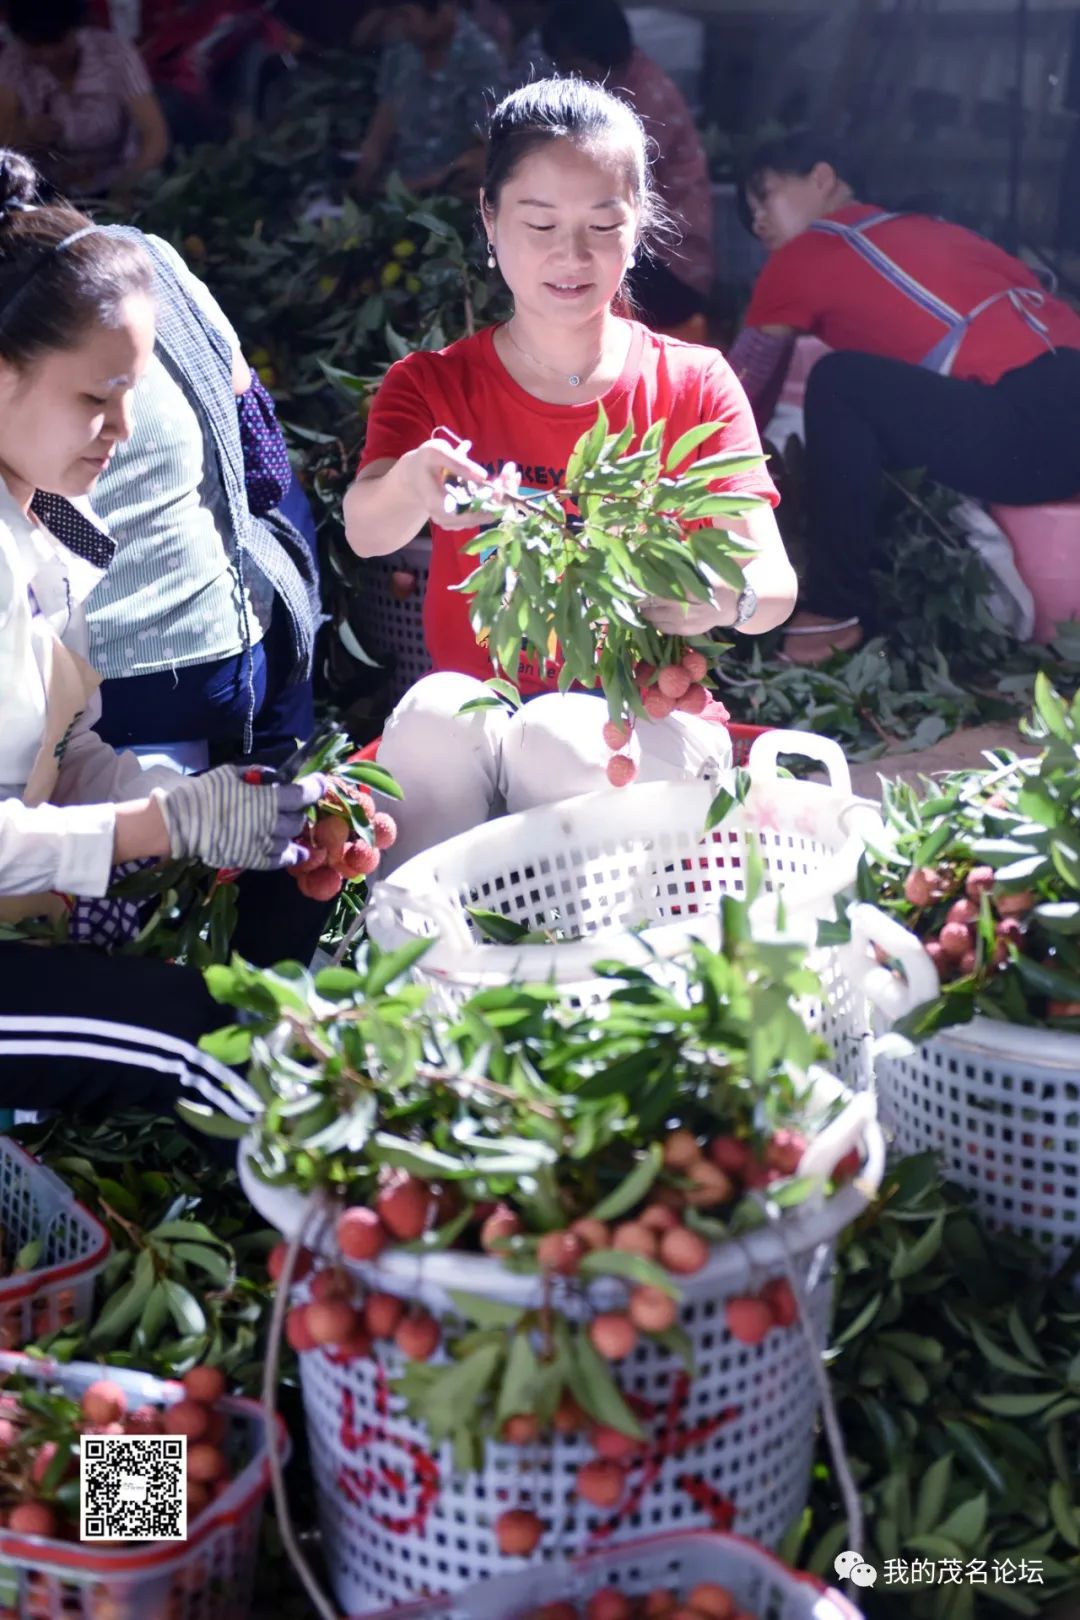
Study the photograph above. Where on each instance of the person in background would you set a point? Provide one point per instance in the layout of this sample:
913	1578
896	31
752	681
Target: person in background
78	100
951	358
204	624
671	285
79	1027
565	205
433	80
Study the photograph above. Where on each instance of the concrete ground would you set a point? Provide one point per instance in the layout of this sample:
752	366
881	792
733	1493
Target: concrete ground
960	751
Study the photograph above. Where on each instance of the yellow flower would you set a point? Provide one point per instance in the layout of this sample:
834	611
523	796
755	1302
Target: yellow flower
327	285
391	273
404	249
413	284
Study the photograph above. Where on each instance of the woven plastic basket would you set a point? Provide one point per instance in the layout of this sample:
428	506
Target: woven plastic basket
742	740
760	1584
731	1445
206	1577
999	1103
391	627
36	1205
630	873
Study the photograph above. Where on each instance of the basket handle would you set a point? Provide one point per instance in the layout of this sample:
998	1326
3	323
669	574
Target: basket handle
388	901
766	749
890	994
849	1129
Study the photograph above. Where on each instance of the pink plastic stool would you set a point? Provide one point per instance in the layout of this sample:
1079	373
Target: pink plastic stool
1046	546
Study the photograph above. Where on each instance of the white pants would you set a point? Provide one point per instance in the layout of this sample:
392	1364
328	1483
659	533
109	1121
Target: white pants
457	770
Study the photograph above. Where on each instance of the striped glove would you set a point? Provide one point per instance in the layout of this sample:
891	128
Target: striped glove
225	820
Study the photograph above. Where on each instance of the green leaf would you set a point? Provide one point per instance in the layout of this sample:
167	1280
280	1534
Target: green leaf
966	1523
634	1267
123	1311
630	1192
594	1387
210	1122
722	806
184	1308
913	1258
688	442
486	1313
1017	1405
231	1045
211	1261
517	1393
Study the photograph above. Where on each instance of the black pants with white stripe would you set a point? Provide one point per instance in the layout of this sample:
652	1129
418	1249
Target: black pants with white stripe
84	1031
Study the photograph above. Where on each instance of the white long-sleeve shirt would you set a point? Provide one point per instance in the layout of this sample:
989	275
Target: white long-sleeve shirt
66	844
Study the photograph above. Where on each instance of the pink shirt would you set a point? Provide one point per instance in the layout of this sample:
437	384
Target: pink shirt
96	138
679	166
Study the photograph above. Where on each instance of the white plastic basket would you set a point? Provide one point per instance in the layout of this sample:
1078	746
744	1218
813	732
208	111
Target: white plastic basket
398	1519
635	858
760	1584
36	1205
999	1103
207	1577
392	630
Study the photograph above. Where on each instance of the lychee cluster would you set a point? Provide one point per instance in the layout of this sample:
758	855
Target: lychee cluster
706	1601
676	686
32	1471
952	943
344	841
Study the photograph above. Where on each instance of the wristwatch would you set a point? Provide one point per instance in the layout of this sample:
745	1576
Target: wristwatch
745	606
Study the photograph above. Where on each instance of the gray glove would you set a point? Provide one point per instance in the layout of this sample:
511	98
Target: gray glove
226	820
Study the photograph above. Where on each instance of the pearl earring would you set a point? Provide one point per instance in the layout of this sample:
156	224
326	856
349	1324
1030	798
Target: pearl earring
491	257
631	261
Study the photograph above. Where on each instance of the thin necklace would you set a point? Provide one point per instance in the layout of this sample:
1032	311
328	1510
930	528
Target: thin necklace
575	379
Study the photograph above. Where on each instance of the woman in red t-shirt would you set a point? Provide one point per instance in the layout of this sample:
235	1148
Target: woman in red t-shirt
565	202
952	358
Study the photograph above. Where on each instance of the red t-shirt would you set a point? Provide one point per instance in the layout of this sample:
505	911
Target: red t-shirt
818	283
467	388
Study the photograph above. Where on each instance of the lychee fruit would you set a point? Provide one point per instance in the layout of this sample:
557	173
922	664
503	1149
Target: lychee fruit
683	1251
33	1519
561	1252
358	859
779	1296
748	1319
382	1313
331	1321
206	1384
275	1262
652	1310
681	1150
103	1402
612	1444
616	735
695	664
712	1601
385	829
633	1237
405	1206
187	1417
609	1604
674	681
693	701
656	705
418	1335
322	885
521	1429
360	1233
601	1483
501	1225
332	834
593	1233
612	1335
621	770
518	1532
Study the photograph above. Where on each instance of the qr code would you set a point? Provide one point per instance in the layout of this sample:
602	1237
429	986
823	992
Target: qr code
134	1487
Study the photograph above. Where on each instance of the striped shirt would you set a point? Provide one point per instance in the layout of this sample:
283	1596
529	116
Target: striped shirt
96	138
170	598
